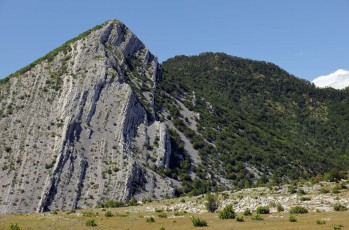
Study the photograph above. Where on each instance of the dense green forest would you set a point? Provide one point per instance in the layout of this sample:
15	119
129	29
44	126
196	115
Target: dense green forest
254	116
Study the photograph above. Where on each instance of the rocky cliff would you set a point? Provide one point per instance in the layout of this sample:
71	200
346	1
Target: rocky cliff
76	126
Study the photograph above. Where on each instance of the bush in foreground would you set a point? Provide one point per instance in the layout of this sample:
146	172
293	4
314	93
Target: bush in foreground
257	217
14	227
247	212
337	227
263	210
280	208
298	210
240	218
108	214
292	219
150	219
90	223
211	202
320	222
227	212
162	215
339	207
198	222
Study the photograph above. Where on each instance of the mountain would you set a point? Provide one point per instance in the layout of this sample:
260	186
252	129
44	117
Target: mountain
99	120
76	125
253	123
337	80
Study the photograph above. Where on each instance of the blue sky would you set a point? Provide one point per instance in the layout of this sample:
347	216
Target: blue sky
307	38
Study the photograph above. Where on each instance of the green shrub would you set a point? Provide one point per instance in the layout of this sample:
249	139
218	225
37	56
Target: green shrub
162	215
324	190
292	219
263	210
14	227
336	189
180	213
211	202
88	214
301	192
162	228
54	212
198	222
320	222
240	219
150	219
279	208
339	207
112	204
257	217
132	202
90	223
292	189
227	212
108	214
298	210
337	227
305	198
247	212
159	210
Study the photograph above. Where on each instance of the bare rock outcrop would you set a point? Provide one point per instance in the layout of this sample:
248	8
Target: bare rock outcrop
75	126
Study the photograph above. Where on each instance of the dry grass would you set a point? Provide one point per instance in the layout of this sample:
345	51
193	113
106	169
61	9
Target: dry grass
137	221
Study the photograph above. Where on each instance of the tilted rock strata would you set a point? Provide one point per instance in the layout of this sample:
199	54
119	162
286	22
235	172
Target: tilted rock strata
74	134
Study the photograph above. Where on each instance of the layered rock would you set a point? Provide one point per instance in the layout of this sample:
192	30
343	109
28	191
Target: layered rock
75	128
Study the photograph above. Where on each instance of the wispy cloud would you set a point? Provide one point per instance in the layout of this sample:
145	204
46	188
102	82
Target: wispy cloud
338	80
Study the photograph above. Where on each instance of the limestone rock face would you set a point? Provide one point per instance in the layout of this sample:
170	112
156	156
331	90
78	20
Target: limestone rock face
75	127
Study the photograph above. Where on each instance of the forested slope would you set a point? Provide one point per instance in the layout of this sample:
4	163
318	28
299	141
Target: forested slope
256	123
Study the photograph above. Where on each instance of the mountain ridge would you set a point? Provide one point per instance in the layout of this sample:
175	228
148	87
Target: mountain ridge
99	119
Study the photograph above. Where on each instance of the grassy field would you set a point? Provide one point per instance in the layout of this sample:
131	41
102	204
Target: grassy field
123	219
176	213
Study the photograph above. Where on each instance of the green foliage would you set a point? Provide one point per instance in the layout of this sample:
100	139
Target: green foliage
320	222
298	210
211	202
279	208
54	212
112	204
324	190
132	202
292	219
256	113
150	219
338	227
180	213
227	212
305	198
339	207
162	215
240	219
90	223
88	214
14	227
247	212
257	217
162	228
108	214
198	222
292	189
263	210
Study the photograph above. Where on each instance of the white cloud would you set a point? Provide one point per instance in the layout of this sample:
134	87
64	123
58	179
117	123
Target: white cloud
337	80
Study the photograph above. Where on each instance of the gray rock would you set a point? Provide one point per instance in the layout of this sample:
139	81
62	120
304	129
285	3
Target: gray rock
74	128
